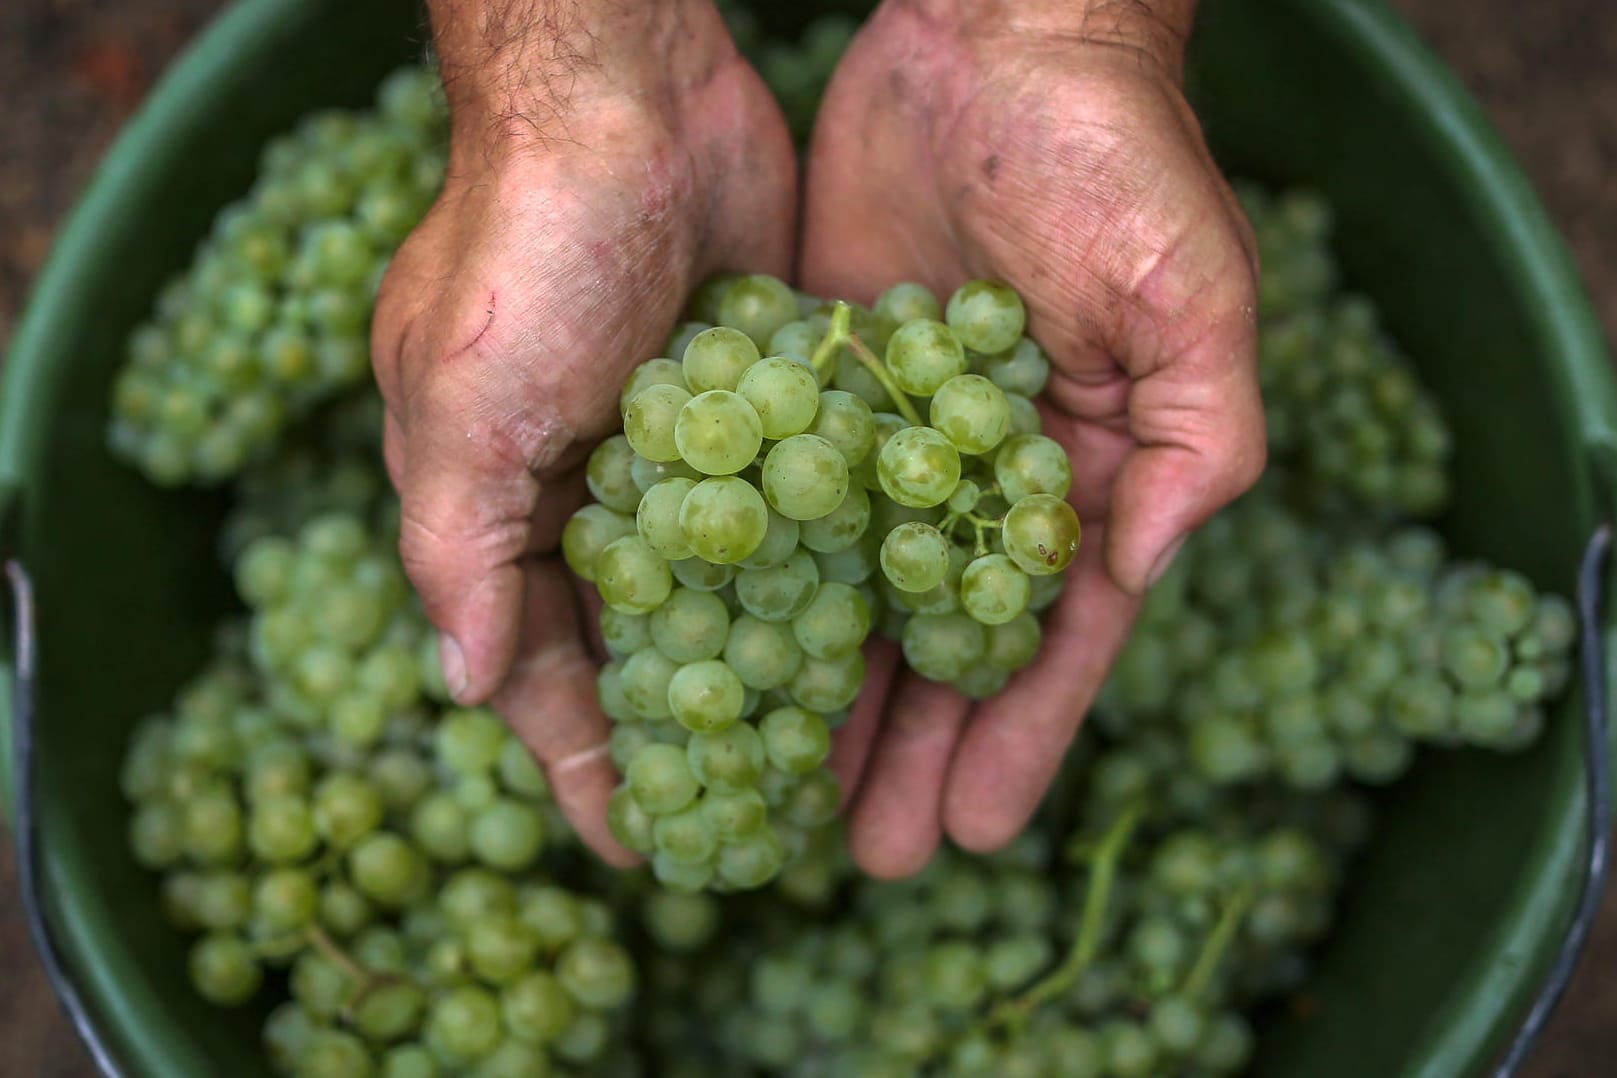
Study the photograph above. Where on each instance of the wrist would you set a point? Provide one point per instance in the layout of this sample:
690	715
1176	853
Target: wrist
1155	29
519	73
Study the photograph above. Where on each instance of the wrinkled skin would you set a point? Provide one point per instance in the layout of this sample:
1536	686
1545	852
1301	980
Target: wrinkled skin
1073	169
556	259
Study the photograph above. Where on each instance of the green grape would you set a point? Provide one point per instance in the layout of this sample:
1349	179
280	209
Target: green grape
465	1022
758	305
661	780
536	1008
1029	464
631	576
907	301
439	826
680	339
653	372
749	863
842	527
648	473
993	590
735	814
1013	644
1041	534
587	533
285	899
847	422
598	973
784	393
387	869
507	835
834	623
1474	657
645	679
923	354
987	316
156	833
915	557
280	828
331	1053
1024	369
691	626
779	542
728	760
224	969
795	740
607	475
883	426
212	828
797	340
286	1031
918	467
1420	704
624	634
679	876
852	376
390	1011
650	420
586	1039
781	593
704	575
1486	717
718	433
657	518
942	647
981	682
724	519
971	412
827	685
347	808
852	565
763	654
716	359
685	836
705	696
343	909
804	477
1378	757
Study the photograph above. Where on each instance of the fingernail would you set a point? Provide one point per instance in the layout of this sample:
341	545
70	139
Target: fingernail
1164	562
453	660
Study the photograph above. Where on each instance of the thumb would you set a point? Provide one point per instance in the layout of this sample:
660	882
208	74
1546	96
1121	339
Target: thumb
1196	421
467	501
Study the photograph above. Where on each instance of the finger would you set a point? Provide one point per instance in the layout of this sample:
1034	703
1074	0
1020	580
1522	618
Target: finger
850	744
1015	742
549	700
1194	408
466	512
896	823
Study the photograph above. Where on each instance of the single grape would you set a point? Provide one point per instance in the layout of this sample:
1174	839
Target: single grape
507	835
645	678
835	622
224	969
690	626
653	372
728	760
685	836
971	412
842	527
650	419
781	593
784	393
465	1022
923	354
795	740
705	696
587	533
1013	644
716	359
907	301
779	542
648	473
724	519
987	316
536	1008
847	422
763	654
827	685
1041	534
1025	369
607	475
750	862
703	575
657	518
805	477
915	557
660	779
735	814
942	646
758	305
918	467
1029	464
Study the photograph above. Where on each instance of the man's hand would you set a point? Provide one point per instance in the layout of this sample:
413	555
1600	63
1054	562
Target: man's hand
1044	143
604	159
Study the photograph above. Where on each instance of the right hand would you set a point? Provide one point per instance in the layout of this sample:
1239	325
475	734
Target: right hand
556	259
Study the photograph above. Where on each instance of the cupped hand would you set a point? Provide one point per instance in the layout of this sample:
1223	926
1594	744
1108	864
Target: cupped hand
576	216
1047	145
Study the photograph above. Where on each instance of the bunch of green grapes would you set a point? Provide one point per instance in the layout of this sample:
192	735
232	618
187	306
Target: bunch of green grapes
272	315
1349	422
1281	651
759	481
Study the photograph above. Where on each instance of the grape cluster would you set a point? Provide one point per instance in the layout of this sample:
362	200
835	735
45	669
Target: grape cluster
1283	651
272	315
1349	423
737	524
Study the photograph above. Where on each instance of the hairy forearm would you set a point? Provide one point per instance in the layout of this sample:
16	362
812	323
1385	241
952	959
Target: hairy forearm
530	64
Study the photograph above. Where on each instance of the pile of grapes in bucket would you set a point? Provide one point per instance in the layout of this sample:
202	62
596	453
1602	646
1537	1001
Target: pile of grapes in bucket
794	473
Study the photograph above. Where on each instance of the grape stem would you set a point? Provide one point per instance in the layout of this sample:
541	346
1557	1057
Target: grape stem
336	955
1103	874
1218	941
840	332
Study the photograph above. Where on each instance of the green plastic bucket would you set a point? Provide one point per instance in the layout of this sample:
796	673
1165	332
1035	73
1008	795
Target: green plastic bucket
1455	915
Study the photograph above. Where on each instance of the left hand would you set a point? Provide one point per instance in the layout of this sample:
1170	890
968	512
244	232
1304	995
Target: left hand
1048	145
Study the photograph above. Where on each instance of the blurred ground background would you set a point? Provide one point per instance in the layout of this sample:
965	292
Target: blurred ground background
72	70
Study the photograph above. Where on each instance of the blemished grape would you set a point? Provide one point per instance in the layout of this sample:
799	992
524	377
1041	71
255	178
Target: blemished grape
1041	534
717	432
918	467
